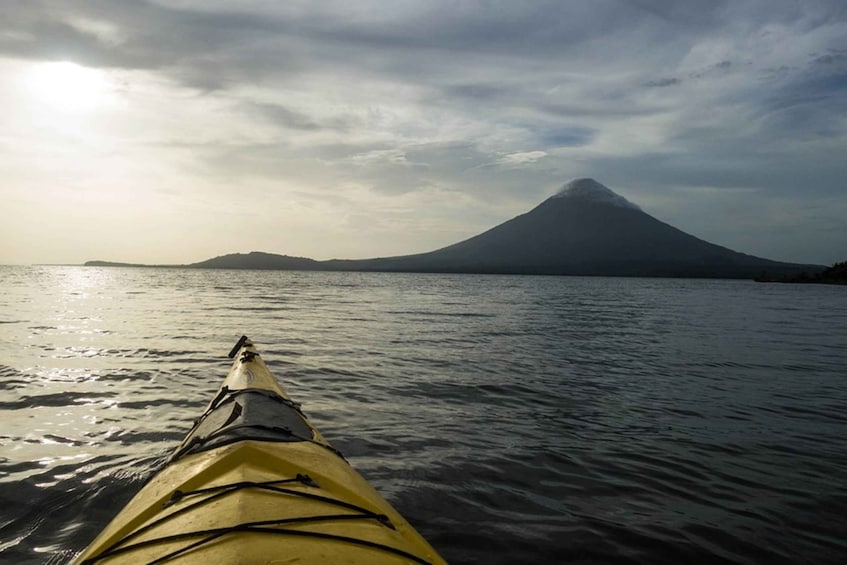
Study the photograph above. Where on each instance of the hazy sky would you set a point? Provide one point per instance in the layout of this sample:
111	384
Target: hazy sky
173	131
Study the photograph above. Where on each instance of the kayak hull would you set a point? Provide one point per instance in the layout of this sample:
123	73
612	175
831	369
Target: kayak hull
286	498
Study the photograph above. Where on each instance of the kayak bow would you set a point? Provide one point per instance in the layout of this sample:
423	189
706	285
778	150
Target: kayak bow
255	482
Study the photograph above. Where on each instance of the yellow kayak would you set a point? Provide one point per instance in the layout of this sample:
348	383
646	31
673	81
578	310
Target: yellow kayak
254	482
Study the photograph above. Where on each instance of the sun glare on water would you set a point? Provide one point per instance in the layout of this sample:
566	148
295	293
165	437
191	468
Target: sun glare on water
68	87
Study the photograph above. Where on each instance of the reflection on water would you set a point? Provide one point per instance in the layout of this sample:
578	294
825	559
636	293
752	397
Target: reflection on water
511	419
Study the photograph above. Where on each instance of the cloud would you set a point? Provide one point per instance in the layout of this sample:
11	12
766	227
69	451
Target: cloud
499	105
663	82
521	158
833	56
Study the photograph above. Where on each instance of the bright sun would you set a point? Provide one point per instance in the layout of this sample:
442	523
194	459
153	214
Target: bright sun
69	87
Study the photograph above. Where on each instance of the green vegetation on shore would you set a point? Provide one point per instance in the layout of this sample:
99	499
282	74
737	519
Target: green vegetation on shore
836	274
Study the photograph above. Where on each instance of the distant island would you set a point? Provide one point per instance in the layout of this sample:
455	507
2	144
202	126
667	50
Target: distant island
584	229
252	260
116	264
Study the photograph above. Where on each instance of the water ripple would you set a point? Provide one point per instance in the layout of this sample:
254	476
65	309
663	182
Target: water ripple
510	419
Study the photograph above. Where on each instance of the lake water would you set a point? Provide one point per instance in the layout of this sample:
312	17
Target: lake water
511	419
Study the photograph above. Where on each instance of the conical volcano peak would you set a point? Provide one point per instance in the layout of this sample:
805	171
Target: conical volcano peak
589	190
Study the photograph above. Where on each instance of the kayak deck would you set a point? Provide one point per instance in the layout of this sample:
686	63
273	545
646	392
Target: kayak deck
255	482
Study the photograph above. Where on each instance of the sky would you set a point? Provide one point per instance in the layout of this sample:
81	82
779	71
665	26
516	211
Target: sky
175	131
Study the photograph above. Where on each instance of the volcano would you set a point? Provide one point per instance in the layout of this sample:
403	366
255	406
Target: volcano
584	229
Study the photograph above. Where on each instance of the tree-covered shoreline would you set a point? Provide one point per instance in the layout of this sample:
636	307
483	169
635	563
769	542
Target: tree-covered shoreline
836	274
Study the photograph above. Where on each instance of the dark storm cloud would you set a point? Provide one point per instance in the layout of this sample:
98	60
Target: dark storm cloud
156	35
663	82
832	57
203	50
210	48
430	43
